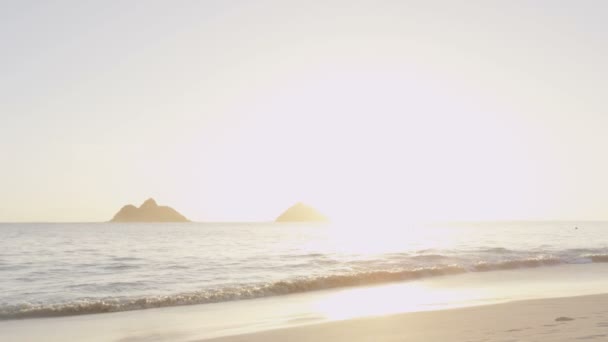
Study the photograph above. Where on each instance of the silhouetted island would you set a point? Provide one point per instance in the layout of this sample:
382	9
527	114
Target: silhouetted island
149	211
300	212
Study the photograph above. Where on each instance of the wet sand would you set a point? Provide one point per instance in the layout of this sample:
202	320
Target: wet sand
583	318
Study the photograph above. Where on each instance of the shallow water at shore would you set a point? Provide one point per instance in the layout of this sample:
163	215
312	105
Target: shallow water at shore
51	270
187	323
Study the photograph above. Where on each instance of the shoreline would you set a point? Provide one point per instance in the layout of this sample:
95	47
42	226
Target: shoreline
333	314
548	319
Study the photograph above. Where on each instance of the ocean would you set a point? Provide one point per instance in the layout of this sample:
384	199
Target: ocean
72	269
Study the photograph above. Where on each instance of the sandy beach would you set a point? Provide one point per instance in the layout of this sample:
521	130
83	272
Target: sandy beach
582	318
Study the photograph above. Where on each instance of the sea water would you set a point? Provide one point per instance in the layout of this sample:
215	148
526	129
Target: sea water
70	270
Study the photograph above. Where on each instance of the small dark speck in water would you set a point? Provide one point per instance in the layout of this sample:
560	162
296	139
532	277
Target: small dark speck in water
564	319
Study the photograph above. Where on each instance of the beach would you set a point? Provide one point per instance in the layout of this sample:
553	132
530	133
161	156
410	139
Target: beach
510	305
277	282
582	318
290	171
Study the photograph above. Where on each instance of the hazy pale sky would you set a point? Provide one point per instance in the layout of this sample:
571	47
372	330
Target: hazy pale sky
234	110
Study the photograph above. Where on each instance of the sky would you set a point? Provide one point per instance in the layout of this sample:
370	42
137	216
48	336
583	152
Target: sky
235	110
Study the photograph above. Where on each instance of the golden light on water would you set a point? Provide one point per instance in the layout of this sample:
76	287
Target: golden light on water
376	237
391	299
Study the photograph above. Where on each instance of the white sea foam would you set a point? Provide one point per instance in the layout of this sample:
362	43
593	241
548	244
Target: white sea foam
57	270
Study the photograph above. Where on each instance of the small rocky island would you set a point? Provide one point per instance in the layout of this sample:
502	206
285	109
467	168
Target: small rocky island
149	211
301	212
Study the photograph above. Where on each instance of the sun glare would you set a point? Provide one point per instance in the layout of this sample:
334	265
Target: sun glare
363	239
391	299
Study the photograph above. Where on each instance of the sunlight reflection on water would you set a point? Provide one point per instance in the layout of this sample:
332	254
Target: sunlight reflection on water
390	299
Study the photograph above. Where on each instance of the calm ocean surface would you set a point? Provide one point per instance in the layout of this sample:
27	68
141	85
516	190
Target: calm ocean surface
67	269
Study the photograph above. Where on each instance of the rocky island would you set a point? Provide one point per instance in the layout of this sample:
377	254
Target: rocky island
149	211
301	212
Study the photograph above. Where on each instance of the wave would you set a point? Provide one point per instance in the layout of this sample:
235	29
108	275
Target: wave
597	257
284	287
224	294
514	264
429	257
405	266
498	250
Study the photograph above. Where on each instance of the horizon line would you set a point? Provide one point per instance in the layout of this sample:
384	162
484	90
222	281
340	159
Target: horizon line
330	221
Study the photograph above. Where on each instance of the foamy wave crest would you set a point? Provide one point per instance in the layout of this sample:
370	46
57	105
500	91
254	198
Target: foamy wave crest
296	285
597	257
223	294
514	264
251	291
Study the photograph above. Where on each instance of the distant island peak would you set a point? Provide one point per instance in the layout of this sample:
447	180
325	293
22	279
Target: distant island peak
301	212
149	211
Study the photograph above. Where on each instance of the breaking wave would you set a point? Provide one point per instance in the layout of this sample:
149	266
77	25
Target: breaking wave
597	257
284	287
